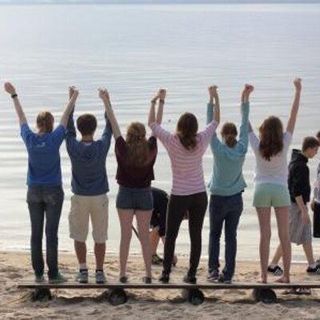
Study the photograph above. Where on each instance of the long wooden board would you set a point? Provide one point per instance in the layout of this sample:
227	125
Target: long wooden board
200	285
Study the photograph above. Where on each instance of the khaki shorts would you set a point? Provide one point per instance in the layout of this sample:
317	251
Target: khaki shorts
83	207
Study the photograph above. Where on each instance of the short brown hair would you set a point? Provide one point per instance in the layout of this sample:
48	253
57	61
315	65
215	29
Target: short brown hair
187	128
87	124
45	121
309	143
229	133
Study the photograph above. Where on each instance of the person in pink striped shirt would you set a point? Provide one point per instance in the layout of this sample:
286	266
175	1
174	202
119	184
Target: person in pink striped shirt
186	148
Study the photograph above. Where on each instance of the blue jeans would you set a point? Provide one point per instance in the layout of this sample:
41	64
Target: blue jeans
45	202
227	210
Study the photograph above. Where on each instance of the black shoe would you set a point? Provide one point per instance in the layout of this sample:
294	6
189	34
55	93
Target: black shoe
164	277
147	280
190	279
276	270
123	279
315	270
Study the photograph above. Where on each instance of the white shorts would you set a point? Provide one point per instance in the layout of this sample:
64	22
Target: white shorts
83	207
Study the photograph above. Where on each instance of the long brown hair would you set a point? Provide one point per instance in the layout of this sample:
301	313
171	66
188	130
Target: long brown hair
138	148
271	137
187	128
45	121
229	133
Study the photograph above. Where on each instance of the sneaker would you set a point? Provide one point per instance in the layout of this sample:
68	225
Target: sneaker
190	279
275	270
39	278
223	279
147	280
156	260
213	275
59	278
100	277
82	276
123	279
164	277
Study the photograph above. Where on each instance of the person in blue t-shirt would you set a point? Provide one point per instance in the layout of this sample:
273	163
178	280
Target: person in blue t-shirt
89	185
45	194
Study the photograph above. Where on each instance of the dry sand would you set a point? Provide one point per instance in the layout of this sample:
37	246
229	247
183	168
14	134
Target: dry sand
147	304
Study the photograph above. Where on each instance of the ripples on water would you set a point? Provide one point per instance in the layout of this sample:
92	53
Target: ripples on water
133	50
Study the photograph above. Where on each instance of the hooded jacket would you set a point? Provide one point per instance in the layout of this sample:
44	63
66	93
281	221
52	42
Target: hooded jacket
299	177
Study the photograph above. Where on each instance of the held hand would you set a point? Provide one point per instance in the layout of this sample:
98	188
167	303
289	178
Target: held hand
8	87
104	94
213	91
75	93
297	84
162	94
71	91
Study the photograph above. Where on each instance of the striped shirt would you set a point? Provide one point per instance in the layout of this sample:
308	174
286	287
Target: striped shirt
186	165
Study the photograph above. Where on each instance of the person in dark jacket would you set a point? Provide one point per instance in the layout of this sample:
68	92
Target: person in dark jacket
299	189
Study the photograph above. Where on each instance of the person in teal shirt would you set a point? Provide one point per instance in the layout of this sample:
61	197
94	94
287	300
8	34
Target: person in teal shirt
226	186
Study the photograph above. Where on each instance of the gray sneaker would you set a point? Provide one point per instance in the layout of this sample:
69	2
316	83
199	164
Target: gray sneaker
100	277
213	276
58	279
82	276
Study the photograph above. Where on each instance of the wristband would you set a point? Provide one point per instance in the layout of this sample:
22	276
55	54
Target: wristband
153	101
161	101
14	95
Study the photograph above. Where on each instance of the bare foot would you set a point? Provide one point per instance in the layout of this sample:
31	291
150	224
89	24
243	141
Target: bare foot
283	280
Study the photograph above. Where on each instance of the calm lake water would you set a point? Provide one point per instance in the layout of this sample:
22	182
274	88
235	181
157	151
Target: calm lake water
135	49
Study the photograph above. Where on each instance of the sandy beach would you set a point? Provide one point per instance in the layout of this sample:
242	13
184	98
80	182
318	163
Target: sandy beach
146	304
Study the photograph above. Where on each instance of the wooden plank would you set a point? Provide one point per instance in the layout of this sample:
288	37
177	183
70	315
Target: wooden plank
212	286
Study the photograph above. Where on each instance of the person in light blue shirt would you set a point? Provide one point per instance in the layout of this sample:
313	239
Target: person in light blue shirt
45	194
226	186
90	186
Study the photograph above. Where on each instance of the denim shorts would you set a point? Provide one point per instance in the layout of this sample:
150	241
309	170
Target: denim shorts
134	198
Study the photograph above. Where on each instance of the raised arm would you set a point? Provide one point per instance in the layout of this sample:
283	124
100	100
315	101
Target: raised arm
69	107
295	106
9	88
161	95
213	105
104	96
70	127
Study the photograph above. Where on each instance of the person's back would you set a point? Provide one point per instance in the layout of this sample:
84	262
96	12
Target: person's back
88	158
44	158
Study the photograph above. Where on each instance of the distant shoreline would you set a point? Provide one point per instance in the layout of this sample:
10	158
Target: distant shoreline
152	2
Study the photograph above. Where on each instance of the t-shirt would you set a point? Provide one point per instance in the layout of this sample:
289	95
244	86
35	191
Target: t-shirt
89	175
130	175
43	156
275	170
186	165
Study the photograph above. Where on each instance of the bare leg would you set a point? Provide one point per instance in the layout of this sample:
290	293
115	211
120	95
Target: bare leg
81	251
154	240
282	215
307	247
125	217
99	251
264	215
143	221
277	256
